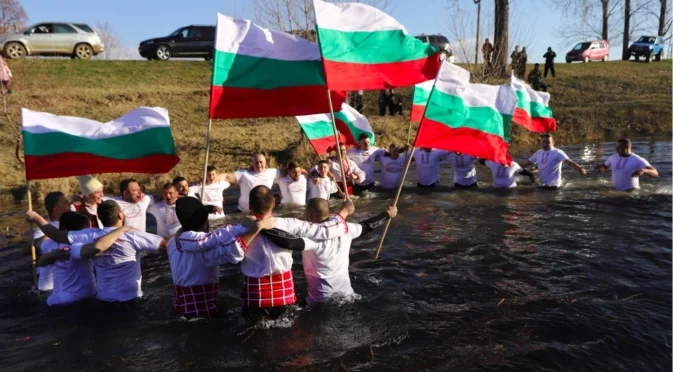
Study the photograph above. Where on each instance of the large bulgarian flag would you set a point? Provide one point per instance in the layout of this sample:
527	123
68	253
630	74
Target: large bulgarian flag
64	146
469	118
259	72
420	100
350	124
532	110
365	48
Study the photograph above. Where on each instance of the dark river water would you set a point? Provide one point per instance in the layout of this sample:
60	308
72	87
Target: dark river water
468	280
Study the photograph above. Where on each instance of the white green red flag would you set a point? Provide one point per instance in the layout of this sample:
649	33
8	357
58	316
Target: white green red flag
259	72
532	110
469	118
364	48
64	146
350	124
420	100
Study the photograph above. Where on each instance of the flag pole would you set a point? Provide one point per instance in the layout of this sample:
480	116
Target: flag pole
409	131
338	146
205	165
33	251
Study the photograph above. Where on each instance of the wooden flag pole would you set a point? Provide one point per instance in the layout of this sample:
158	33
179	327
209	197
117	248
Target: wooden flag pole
409	131
338	146
205	165
33	251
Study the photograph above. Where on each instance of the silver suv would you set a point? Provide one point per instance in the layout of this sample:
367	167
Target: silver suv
75	40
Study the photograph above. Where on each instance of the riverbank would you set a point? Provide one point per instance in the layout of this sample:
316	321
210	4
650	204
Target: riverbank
592	101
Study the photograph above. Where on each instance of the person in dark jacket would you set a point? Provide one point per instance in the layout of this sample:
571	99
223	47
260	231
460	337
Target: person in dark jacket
535	79
521	68
394	103
549	62
383	102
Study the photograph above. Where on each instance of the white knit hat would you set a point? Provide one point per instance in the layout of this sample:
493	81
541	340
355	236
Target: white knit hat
88	184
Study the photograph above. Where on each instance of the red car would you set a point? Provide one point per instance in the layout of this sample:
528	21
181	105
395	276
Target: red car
598	50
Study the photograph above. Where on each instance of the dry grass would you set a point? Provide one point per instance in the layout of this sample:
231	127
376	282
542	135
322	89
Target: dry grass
594	101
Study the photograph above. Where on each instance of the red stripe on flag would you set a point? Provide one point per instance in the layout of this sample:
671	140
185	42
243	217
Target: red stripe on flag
324	145
417	112
469	141
367	76
538	125
231	103
70	164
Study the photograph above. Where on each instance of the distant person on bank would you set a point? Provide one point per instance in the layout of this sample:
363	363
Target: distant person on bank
487	51
535	79
626	167
5	75
394	103
549	62
523	59
515	59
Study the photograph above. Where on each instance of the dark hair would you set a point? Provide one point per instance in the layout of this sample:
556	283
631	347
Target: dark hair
362	136
124	184
108	212
546	135
292	165
261	199
623	141
191	213
178	179
73	221
211	168
537	65
51	199
319	207
322	161
168	186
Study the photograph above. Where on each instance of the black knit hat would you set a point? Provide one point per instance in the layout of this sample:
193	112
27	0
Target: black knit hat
191	213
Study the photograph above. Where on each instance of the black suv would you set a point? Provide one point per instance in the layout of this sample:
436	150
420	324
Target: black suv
191	41
440	42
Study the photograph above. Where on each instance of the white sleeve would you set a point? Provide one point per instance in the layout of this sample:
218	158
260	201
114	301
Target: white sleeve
335	226
533	159
37	234
143	241
608	163
333	187
360	173
149	200
81	236
644	163
223	185
517	168
562	155
378	153
229	246
310	245
239	174
354	230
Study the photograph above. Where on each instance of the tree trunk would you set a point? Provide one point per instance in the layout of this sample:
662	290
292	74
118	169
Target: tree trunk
501	37
662	18
627	28
476	46
606	13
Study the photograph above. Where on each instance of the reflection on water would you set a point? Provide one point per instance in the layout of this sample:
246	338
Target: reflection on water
578	279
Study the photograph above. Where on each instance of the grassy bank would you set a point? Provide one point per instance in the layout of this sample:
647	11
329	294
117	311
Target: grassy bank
590	101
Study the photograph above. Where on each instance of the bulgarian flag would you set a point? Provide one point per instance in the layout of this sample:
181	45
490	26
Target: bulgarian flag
364	48
421	95
350	124
259	72
469	118
64	146
532	110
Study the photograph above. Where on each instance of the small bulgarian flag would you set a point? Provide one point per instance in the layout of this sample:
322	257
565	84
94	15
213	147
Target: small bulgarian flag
349	122
64	146
365	48
532	110
259	72
421	95
469	118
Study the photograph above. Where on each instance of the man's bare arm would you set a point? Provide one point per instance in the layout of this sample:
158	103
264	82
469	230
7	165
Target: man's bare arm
649	170
50	231
229	177
576	167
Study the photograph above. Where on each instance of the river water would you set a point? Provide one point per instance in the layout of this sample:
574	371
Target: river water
468	280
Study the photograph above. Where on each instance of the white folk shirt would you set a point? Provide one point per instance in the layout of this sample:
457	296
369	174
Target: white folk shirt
504	177
326	265
45	276
623	168
196	260
464	172
323	189
135	213
213	193
335	169
118	276
248	179
73	279
167	220
392	171
549	165
365	160
427	165
291	191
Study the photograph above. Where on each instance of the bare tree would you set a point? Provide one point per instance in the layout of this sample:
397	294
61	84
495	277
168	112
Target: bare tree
596	19
627	29
663	16
500	37
109	37
12	16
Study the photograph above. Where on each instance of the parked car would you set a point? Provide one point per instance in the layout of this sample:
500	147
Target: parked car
76	40
190	41
650	47
598	50
440	42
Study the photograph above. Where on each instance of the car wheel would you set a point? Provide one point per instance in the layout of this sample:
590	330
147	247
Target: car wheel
208	57
83	51
585	60
568	61
163	53
149	58
658	57
605	58
15	51
649	57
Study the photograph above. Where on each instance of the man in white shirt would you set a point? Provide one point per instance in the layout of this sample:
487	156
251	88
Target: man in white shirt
164	212
56	204
549	162
247	179
322	183
365	157
134	203
627	167
505	176
293	186
182	186
464	172
427	166
213	197
392	167
354	175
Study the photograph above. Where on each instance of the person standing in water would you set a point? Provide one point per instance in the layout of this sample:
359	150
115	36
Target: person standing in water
549	162
464	172
627	167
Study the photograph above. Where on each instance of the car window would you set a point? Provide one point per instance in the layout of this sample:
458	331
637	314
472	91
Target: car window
443	39
61	28
84	27
44	28
582	46
209	32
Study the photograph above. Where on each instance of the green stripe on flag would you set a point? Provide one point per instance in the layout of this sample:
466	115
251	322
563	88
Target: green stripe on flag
353	129
318	129
420	96
538	110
